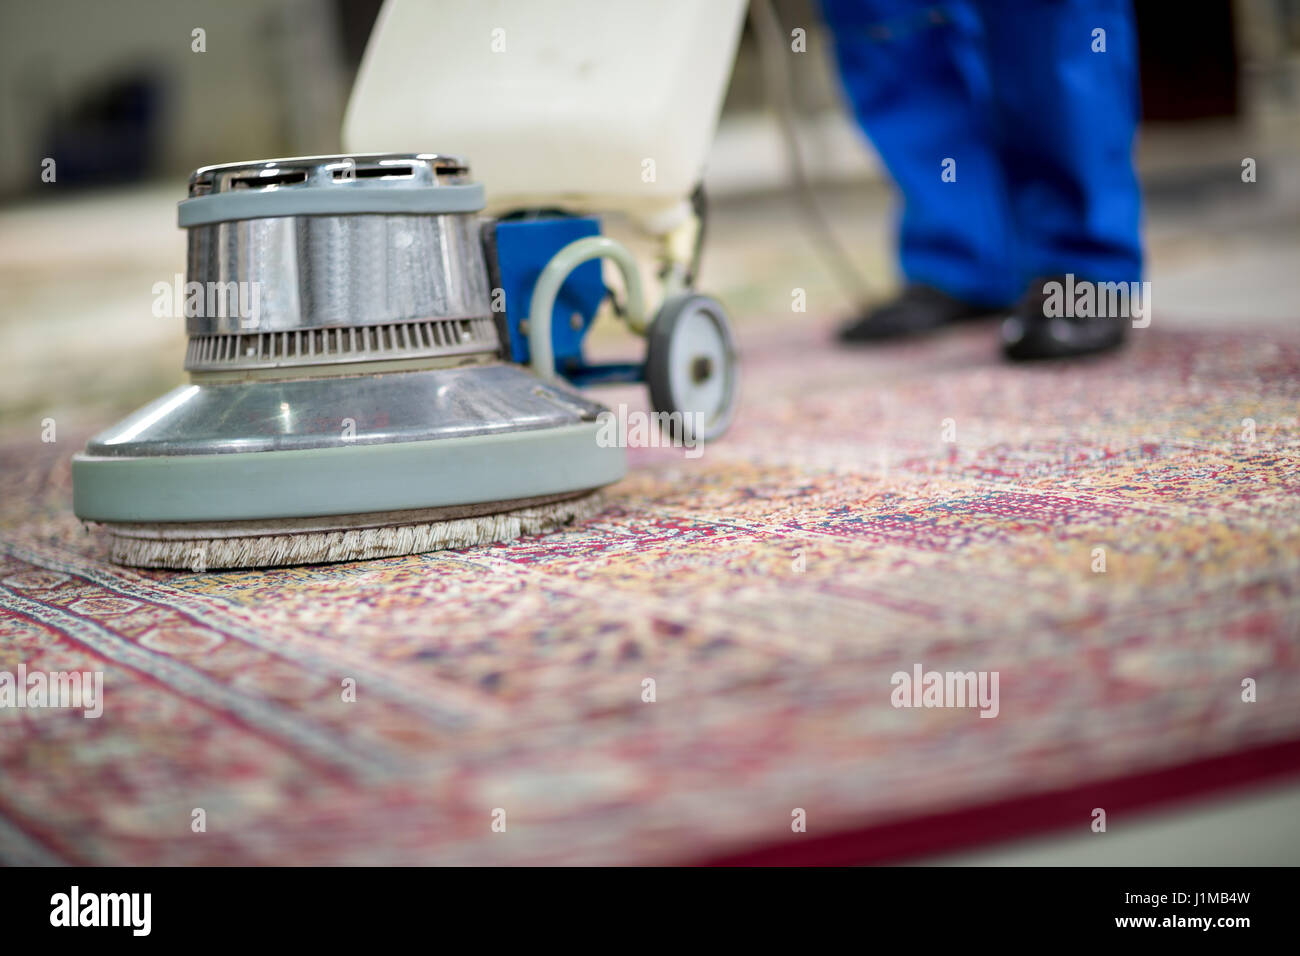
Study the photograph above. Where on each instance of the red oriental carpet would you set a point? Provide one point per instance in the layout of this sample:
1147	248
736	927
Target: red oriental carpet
1118	540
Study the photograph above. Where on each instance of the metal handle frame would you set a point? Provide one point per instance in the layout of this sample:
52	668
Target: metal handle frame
541	354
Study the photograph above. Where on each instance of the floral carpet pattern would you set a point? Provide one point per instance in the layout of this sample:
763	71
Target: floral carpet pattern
1119	540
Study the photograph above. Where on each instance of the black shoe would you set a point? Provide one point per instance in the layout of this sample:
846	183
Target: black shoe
1031	333
918	309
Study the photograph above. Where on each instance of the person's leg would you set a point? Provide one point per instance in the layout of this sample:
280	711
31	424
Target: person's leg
1065	88
917	82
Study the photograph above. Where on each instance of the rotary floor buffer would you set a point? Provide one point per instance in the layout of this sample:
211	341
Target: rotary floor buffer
409	375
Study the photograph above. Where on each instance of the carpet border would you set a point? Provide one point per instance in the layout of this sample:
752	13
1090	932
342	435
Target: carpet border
907	838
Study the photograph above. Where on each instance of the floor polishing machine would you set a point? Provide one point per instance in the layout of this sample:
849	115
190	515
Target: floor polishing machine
394	361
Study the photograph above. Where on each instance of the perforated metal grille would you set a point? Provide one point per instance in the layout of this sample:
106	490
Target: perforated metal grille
358	343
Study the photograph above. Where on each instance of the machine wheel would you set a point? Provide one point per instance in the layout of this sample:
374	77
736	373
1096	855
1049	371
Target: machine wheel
691	367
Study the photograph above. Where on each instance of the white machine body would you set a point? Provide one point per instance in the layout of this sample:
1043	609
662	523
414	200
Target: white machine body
590	105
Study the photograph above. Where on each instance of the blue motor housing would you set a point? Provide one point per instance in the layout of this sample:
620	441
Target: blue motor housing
523	248
518	250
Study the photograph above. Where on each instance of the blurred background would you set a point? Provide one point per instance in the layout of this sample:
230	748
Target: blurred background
118	92
127	98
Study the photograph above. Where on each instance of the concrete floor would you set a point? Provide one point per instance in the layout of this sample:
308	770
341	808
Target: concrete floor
1261	828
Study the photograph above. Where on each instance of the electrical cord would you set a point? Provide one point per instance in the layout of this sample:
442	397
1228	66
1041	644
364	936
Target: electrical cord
780	94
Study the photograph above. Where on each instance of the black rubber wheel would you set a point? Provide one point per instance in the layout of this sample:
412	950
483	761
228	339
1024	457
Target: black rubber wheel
691	367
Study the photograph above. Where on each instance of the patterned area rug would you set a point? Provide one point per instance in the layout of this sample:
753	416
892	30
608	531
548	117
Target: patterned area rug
1119	540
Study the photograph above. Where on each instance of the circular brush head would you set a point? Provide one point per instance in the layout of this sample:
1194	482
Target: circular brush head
262	544
348	396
